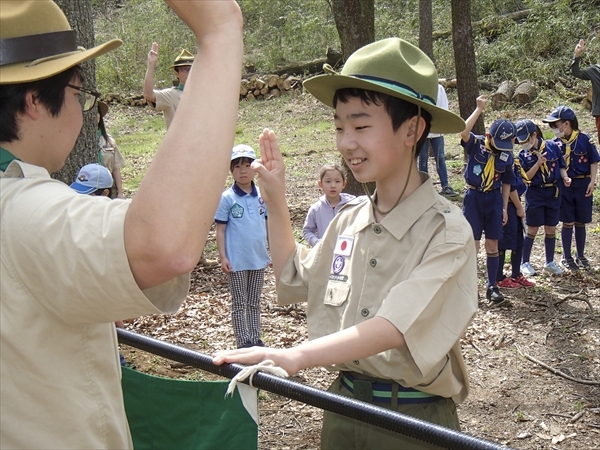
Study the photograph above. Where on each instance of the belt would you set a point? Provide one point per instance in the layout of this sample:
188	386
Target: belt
374	391
583	176
550	185
479	189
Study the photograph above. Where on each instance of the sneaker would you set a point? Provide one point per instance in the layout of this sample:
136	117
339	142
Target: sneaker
569	263
247	345
527	269
582	262
448	192
524	281
552	269
508	283
260	343
494	295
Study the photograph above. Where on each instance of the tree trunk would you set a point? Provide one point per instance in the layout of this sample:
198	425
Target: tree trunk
355	23
464	61
426	28
525	92
503	95
79	14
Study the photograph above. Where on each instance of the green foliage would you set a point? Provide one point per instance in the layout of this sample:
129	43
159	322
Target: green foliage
538	47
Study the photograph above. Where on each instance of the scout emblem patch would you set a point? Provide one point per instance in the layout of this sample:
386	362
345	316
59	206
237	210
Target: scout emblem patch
237	211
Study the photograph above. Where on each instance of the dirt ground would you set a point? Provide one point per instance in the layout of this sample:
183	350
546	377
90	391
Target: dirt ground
534	362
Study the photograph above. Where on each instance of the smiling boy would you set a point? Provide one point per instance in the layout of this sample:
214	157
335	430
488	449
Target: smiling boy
392	285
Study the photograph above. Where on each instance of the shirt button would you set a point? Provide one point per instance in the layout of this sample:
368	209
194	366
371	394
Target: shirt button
446	211
364	312
356	362
373	262
377	230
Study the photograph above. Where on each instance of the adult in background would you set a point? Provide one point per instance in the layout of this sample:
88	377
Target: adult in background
436	140
72	264
108	153
591	73
167	100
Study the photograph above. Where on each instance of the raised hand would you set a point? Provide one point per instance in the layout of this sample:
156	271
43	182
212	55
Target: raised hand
205	18
270	167
579	48
481	102
153	55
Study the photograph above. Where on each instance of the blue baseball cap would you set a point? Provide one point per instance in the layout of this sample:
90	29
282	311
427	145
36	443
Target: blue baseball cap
524	129
560	113
91	178
243	151
503	132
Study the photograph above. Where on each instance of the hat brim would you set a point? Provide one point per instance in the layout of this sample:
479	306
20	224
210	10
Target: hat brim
102	108
551	119
182	64
323	87
27	72
503	145
81	189
523	137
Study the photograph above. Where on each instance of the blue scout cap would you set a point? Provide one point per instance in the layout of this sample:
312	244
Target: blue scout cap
560	113
524	129
91	178
243	151
503	131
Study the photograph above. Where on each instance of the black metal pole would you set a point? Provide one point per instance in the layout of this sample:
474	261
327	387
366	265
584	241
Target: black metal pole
355	409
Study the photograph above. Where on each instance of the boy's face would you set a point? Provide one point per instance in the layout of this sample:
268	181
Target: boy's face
242	172
182	73
367	141
332	184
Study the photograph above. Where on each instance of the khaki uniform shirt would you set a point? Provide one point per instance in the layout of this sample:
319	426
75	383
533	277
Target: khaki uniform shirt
65	279
167	101
417	269
111	156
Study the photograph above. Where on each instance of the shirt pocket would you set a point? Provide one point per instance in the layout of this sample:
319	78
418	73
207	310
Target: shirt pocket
481	157
336	294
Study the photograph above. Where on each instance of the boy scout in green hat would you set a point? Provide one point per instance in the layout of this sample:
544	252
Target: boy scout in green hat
71	264
167	100
392	286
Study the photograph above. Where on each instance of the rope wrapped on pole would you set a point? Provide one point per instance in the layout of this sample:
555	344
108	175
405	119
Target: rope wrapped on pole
349	407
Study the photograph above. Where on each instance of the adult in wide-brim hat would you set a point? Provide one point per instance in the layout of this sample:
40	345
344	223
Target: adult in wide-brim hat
185	58
37	42
395	67
102	108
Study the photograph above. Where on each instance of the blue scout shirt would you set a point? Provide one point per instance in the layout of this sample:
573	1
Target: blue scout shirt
246	231
548	174
478	157
579	153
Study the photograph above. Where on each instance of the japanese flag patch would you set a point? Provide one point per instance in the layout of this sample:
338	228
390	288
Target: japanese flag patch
344	245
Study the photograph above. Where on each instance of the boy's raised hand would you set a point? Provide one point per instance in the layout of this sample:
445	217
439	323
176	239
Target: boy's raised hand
270	167
153	55
579	48
481	102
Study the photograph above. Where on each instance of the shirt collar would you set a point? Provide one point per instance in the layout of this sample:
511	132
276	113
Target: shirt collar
403	216
241	192
5	158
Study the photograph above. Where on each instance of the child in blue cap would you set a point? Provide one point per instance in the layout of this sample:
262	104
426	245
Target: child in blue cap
544	168
489	175
581	159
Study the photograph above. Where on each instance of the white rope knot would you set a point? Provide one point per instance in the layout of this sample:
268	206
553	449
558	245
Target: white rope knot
249	371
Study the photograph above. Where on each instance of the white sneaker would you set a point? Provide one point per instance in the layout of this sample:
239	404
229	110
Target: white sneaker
527	269
552	269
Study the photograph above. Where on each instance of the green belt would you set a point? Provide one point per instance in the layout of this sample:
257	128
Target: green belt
375	391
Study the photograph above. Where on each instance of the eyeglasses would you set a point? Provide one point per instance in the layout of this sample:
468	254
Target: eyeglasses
184	68
89	97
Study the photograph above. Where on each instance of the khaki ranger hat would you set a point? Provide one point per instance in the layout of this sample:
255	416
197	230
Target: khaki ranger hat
102	108
37	42
391	66
185	58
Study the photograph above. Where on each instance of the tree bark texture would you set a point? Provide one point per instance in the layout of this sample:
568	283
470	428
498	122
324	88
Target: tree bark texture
355	23
426	28
79	14
464	61
525	92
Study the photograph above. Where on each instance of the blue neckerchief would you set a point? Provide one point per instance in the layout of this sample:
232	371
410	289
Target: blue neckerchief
5	158
180	87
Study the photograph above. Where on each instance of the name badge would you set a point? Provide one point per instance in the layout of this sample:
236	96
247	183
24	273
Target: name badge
504	156
344	245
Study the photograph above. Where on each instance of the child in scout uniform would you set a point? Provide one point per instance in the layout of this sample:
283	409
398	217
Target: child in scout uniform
512	232
73	264
581	160
332	181
489	174
166	100
108	152
544	167
242	241
392	285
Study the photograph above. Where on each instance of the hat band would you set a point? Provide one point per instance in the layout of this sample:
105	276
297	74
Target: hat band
29	48
395	86
185	62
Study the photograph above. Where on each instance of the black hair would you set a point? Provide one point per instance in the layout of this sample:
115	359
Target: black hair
399	110
102	128
50	92
242	160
